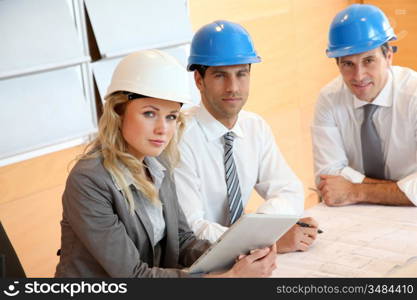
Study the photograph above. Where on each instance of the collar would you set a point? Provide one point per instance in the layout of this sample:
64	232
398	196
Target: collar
384	97
156	169
212	128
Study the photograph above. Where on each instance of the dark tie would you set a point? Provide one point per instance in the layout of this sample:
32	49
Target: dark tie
232	181
372	156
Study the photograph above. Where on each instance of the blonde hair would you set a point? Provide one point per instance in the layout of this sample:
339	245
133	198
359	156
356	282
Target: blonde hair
111	145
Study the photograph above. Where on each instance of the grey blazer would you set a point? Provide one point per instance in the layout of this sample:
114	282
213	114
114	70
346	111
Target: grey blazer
101	238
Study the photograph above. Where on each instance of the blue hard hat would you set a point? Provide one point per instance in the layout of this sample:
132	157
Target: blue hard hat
221	43
358	28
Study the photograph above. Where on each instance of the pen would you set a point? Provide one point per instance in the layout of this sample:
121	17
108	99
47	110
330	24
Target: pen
302	224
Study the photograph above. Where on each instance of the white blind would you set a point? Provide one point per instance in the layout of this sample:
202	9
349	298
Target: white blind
42	109
121	27
37	35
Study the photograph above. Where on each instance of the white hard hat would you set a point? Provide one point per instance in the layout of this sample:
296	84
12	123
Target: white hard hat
151	73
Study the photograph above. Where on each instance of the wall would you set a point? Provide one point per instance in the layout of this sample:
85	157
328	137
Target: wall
30	208
290	35
403	17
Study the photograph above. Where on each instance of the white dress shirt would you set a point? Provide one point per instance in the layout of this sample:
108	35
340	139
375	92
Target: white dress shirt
336	130
200	176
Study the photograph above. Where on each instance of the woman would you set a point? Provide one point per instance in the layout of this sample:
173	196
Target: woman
121	216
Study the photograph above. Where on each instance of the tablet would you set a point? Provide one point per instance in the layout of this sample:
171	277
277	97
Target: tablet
251	231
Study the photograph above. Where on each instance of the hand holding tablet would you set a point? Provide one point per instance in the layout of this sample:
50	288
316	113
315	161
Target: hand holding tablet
251	231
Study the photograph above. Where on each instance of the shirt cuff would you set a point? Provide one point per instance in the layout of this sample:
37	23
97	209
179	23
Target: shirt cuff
280	206
206	230
408	186
352	175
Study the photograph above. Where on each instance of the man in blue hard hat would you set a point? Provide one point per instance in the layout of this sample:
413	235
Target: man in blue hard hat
365	125
227	152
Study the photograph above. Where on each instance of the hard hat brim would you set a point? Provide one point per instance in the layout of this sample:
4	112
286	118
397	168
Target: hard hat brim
356	49
224	62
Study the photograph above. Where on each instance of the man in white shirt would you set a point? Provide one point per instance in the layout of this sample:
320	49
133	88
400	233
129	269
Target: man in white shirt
365	125
226	152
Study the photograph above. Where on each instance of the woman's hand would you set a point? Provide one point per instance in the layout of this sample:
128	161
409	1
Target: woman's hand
259	263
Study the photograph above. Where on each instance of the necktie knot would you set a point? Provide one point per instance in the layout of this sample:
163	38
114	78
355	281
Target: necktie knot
370	109
228	139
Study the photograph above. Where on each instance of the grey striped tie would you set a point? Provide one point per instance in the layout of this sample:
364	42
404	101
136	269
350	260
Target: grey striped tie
372	156
232	181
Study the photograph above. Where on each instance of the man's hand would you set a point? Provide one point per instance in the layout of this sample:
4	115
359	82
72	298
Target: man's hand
337	191
298	238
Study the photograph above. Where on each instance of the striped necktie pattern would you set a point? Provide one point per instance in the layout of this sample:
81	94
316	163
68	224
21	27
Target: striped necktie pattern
232	180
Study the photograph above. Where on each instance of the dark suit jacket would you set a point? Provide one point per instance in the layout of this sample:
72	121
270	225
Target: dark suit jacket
101	238
10	266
